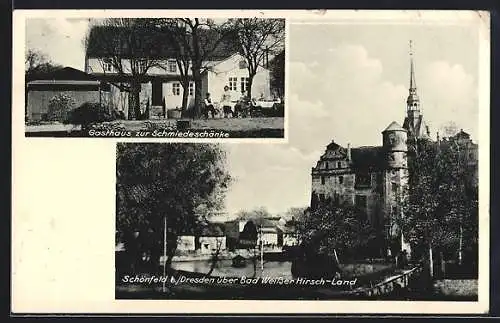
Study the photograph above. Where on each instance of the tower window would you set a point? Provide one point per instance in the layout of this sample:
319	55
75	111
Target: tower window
326	165
339	165
363	180
322	180
341	179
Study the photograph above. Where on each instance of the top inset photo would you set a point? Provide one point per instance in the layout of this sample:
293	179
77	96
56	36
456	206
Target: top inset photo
143	77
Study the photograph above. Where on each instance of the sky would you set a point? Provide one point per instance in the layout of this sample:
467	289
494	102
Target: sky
346	82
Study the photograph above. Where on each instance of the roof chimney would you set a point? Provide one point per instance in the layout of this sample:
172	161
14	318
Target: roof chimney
349	152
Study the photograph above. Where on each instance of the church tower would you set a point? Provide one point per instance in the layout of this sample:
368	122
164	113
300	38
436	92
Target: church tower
414	121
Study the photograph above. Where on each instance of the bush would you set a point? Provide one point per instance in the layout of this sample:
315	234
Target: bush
89	113
59	107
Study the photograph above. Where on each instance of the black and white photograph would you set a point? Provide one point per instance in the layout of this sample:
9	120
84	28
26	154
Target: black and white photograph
160	78
375	197
368	195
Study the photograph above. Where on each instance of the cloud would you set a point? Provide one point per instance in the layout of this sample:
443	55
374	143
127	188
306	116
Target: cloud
62	40
341	94
449	94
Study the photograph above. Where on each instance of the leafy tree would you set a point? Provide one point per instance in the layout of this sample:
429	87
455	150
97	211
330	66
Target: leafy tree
256	39
165	181
59	107
335	230
256	214
439	206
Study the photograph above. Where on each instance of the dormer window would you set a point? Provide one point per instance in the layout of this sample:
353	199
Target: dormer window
172	66
242	64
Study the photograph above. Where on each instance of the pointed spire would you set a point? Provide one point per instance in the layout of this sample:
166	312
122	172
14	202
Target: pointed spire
413	83
413	100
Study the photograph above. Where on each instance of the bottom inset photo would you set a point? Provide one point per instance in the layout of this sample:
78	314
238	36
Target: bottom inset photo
235	222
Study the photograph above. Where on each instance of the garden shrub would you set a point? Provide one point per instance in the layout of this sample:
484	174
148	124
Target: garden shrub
59	107
88	114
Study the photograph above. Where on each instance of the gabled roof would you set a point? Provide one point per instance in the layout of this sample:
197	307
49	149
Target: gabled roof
160	44
394	126
462	135
68	74
420	129
368	158
213	230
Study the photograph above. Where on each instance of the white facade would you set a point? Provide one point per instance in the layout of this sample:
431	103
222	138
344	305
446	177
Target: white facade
233	73
269	237
186	243
165	87
209	245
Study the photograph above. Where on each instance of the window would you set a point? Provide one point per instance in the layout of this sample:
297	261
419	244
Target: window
326	165
244	84
361	201
107	67
363	179
322	197
176	88
339	165
322	180
233	83
341	179
394	187
172	66
191	88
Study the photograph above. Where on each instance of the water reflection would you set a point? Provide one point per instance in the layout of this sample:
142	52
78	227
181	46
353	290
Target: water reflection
224	268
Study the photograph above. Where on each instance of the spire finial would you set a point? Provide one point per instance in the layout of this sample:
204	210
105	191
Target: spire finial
413	83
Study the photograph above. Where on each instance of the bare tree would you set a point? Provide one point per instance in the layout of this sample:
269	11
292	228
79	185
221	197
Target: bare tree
256	39
215	255
199	40
132	46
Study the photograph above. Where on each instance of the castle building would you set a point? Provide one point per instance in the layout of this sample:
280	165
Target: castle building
373	177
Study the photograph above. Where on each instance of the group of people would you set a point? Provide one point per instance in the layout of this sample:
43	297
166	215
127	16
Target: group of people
226	104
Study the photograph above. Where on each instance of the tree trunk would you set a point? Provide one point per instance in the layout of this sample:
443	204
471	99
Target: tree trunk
250	83
215	259
185	95
134	101
196	68
443	265
197	98
431	263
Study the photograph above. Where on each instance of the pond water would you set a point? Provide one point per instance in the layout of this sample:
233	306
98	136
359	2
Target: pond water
224	268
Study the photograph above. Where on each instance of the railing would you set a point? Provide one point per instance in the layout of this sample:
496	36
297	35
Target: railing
400	281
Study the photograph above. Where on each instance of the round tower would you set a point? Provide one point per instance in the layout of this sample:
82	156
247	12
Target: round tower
394	141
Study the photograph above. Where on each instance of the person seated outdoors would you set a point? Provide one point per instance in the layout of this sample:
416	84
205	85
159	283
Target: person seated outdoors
226	103
240	108
209	107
